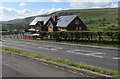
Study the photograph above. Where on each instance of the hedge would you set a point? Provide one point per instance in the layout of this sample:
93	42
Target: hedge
76	36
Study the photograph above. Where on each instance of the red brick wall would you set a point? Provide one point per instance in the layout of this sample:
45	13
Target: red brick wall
29	36
72	26
45	27
50	29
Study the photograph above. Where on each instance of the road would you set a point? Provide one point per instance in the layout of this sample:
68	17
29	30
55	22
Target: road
103	58
18	66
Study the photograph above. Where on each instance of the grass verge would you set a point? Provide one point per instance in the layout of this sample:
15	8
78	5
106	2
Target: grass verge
65	62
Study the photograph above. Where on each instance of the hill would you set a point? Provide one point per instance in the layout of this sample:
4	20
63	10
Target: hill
96	19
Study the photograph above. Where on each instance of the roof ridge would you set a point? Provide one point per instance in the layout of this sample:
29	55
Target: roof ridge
69	15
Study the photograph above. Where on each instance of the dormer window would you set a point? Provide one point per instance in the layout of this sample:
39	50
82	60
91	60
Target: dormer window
76	21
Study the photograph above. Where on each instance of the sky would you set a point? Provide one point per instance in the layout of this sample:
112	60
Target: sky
17	9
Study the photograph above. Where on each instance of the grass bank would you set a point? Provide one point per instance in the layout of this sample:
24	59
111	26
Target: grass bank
65	62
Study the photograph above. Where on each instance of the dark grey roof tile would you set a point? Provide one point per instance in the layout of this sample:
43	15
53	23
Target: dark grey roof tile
64	21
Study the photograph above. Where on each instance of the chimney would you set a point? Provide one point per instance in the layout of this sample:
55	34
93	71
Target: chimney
55	17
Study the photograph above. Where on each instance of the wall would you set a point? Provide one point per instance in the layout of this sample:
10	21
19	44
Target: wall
72	26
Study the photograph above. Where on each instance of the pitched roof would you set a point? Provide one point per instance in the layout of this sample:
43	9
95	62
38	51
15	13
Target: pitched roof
44	19
64	21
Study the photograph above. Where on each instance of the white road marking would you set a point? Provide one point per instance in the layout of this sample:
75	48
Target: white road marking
97	56
116	58
28	43
82	50
87	54
53	49
39	47
49	46
78	53
59	48
90	54
96	53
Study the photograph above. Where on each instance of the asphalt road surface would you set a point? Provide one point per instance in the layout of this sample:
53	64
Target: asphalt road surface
103	58
18	66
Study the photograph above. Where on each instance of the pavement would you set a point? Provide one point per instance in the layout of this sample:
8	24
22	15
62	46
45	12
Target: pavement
18	66
97	57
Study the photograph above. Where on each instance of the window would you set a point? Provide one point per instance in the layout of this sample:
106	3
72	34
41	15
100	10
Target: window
76	21
32	27
37	25
62	28
50	27
78	28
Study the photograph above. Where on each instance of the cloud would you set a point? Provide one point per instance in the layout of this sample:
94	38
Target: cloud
113	5
79	0
46	11
12	13
59	1
93	4
22	4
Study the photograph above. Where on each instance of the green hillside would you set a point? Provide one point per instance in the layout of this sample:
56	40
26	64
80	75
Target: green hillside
96	19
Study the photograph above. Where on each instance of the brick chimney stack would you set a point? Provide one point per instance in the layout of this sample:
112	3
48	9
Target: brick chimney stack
55	17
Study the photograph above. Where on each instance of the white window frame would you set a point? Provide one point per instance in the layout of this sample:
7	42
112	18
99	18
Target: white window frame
50	27
78	28
76	21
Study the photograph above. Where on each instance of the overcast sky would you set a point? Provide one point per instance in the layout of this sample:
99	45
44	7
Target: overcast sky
13	9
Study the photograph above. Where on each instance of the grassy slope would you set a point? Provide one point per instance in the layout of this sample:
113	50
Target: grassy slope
107	17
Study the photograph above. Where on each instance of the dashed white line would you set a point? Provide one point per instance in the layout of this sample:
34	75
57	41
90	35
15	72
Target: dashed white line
53	49
47	46
97	56
39	47
90	54
97	53
116	58
82	50
59	48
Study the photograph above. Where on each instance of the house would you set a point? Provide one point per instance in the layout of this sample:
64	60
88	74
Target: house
70	23
39	24
54	23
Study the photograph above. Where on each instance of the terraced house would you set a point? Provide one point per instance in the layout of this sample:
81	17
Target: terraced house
54	23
